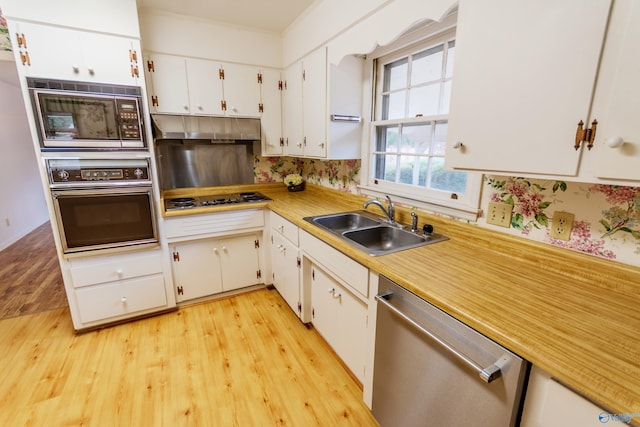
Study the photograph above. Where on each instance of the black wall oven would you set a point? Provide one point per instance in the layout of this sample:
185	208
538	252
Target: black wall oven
102	203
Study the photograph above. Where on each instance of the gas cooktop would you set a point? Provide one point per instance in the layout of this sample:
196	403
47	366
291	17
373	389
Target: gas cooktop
214	200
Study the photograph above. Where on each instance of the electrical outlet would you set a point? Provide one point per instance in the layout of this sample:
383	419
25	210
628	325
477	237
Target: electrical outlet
561	225
499	214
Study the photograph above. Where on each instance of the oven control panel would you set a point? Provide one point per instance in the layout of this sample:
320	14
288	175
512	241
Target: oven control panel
85	171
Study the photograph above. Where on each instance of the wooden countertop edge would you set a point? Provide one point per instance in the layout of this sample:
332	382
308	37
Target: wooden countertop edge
611	388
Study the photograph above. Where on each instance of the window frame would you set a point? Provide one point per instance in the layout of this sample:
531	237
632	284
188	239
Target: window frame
422	38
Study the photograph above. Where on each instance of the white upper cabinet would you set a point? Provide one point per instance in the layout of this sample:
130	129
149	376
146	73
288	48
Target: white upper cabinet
271	112
198	86
524	77
314	103
314	93
105	16
46	51
616	105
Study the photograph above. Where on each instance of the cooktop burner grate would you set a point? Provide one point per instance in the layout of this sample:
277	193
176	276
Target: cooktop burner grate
214	200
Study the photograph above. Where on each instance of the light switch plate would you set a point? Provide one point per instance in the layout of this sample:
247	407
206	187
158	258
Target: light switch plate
499	214
561	225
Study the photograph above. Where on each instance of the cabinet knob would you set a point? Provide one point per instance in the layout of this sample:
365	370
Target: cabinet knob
91	71
186	107
119	273
332	290
457	145
75	69
337	296
123	300
321	145
215	250
224	248
614	141
200	107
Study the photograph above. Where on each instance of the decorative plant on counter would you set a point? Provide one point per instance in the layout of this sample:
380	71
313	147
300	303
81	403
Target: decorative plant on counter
294	182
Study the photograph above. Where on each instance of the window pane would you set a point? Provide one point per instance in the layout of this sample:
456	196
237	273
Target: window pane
387	139
386	167
416	139
450	57
395	106
424	100
413	170
446	97
395	75
442	179
440	139
427	65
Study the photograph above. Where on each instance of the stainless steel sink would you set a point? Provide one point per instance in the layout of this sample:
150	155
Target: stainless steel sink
372	233
345	221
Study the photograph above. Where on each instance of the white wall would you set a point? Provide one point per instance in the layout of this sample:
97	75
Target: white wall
164	32
22	200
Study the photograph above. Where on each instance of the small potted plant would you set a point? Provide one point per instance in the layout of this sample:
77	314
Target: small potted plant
294	182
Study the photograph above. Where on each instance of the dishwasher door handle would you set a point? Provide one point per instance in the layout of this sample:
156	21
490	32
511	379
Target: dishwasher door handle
487	374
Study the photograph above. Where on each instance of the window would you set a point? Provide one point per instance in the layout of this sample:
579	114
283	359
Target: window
409	129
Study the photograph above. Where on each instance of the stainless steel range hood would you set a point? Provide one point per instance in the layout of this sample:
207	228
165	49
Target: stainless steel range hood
169	126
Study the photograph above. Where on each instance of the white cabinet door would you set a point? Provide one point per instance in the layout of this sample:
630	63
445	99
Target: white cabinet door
341	319
204	87
617	98
106	16
196	270
523	78
67	54
239	261
286	270
292	103
241	90
169	91
314	103
271	116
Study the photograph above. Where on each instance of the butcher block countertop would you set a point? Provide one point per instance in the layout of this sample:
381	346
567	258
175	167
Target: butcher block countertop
573	315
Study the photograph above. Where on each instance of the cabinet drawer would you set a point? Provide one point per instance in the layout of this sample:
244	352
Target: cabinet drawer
122	298
340	265
219	223
285	228
91	271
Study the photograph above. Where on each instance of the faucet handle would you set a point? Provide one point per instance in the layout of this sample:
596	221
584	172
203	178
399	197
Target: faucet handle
414	222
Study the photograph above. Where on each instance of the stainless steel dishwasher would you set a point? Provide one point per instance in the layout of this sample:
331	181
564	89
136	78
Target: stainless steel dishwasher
432	370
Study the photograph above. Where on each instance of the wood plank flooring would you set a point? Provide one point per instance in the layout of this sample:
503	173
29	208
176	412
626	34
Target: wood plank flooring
30	278
241	361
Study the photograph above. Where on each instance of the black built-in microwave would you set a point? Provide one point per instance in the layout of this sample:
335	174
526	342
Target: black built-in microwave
87	116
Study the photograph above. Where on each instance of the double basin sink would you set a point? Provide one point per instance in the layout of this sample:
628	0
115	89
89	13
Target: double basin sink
372	233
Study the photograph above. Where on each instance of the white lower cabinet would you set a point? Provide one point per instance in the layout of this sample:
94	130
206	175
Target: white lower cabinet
550	404
341	319
339	288
114	287
206	267
286	266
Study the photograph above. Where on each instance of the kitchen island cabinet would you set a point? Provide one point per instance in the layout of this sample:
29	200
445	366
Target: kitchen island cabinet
520	95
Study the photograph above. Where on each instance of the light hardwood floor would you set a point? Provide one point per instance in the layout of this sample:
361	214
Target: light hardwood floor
30	278
240	361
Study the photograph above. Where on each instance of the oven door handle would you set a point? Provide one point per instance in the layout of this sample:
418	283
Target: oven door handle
487	374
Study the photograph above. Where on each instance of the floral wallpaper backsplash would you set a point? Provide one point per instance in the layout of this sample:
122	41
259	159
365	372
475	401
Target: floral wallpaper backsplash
606	223
607	217
5	40
342	175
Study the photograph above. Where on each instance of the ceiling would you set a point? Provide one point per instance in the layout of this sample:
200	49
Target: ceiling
271	15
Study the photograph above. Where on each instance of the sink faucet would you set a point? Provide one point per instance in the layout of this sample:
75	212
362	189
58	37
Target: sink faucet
390	212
